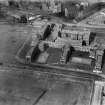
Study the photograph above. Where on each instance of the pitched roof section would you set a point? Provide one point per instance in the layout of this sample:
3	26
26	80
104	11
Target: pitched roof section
97	18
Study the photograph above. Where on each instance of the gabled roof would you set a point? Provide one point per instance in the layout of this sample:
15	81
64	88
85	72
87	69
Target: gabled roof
97	18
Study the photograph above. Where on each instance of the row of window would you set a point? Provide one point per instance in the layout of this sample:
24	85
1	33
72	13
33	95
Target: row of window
74	36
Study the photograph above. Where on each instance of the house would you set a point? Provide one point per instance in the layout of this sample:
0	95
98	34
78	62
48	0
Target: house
76	36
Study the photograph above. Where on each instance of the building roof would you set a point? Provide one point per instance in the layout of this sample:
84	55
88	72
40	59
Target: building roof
80	31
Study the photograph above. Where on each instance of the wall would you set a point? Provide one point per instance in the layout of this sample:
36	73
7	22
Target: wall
90	1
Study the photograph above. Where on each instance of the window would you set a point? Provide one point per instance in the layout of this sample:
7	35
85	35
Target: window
83	43
67	35
99	58
74	37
